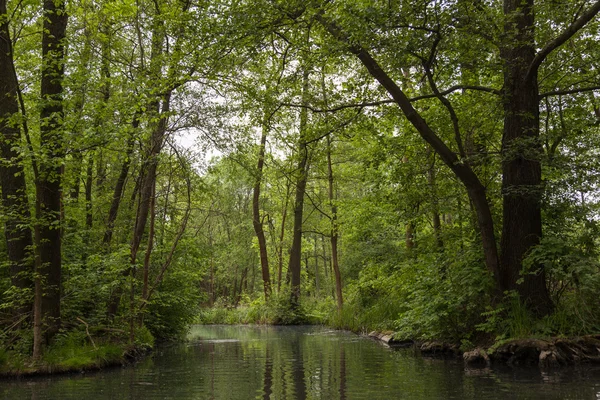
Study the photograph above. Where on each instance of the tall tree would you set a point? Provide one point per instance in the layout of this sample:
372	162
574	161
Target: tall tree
521	170
521	146
48	199
334	230
17	229
301	176
256	219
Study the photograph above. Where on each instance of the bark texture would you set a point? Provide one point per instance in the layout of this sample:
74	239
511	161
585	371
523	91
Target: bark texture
12	177
295	266
521	151
50	166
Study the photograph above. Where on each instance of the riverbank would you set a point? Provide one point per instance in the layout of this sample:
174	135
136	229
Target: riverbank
70	359
545	353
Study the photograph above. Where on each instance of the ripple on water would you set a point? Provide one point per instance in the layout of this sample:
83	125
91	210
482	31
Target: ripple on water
265	362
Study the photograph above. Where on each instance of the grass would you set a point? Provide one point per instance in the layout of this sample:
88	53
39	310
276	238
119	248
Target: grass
70	352
62	359
311	311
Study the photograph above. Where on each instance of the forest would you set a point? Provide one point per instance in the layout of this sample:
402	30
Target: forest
427	167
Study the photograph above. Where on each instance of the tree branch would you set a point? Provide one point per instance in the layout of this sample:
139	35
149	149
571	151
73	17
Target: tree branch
391	101
562	38
569	91
444	100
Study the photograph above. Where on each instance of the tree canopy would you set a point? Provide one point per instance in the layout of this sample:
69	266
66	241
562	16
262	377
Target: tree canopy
427	166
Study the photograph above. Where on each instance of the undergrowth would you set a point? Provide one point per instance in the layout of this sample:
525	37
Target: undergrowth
75	350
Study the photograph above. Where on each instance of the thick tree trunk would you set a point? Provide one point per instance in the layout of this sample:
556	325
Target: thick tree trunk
51	143
521	151
256	220
12	177
296	250
295	266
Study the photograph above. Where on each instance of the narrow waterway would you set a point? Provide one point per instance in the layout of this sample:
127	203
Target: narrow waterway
266	362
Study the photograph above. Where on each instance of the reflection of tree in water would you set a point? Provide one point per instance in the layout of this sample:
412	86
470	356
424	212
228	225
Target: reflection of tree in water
268	378
212	369
342	373
298	369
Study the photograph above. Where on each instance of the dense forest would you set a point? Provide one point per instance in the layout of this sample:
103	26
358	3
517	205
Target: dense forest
427	167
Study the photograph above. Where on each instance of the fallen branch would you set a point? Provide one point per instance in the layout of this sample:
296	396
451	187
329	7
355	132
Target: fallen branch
87	330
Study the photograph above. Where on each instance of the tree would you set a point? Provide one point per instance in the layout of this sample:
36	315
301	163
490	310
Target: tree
301	177
521	147
256	219
17	229
520	168
49	191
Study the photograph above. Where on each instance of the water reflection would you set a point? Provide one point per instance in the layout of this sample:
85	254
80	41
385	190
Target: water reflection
241	362
268	380
342	374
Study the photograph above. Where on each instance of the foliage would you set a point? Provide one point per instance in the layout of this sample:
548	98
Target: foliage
72	351
165	104
277	311
175	306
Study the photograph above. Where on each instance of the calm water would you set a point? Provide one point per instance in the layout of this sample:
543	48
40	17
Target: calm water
249	362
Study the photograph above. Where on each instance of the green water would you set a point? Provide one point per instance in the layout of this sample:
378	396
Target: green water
252	362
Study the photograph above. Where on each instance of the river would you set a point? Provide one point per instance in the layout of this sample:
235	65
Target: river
269	362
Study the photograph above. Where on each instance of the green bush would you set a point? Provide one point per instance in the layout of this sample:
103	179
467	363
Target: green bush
173	307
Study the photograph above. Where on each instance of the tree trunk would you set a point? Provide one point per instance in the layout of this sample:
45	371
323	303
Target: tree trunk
12	177
294	265
281	237
120	186
50	166
521	151
77	164
316	257
89	220
256	220
146	191
334	231
435	212
212	267
165	207
150	244
147	187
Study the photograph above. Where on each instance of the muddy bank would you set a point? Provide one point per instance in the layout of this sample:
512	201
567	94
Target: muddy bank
554	352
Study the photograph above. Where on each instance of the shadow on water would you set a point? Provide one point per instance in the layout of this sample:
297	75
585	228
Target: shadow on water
265	362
